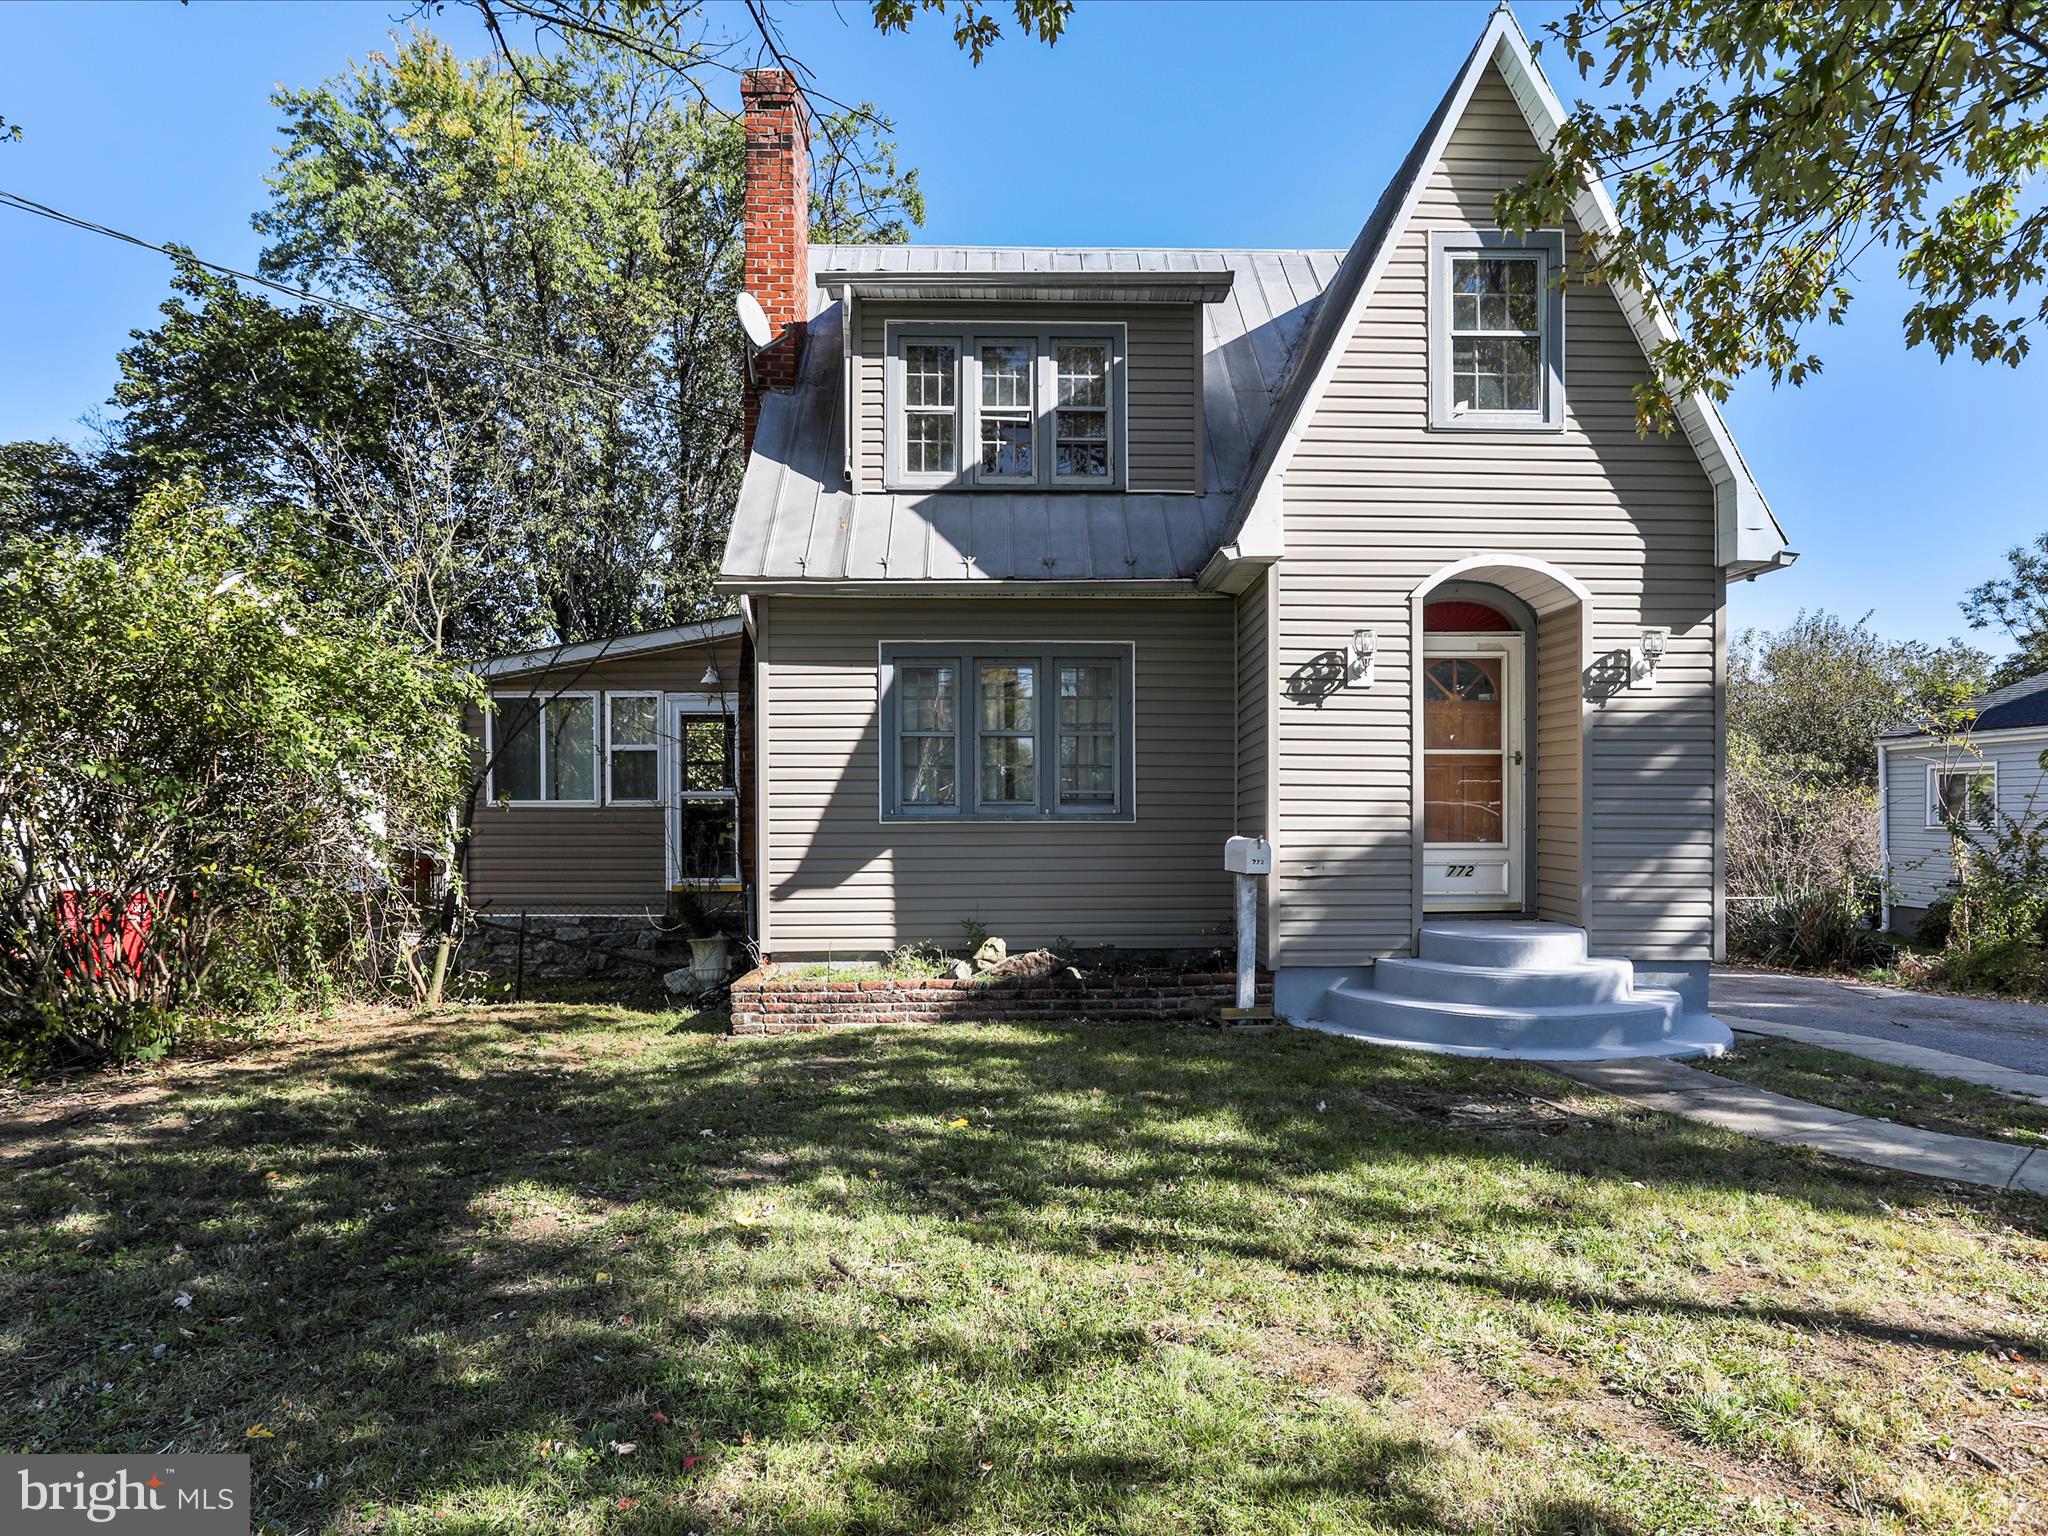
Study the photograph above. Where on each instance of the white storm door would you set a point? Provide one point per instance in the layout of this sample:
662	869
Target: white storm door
1472	773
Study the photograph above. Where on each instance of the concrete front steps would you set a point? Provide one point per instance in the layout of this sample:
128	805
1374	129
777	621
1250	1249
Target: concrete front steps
1526	990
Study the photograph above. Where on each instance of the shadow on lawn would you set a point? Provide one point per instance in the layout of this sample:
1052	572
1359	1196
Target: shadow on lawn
347	1223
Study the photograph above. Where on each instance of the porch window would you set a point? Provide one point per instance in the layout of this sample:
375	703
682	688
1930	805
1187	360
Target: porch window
1964	795
1031	407
1006	732
1496	325
632	772
542	750
707	800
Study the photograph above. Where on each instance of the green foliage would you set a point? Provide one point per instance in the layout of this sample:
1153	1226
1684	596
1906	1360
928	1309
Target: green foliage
2017	603
975	30
53	488
1764	148
543	444
188	732
1801	847
1821	690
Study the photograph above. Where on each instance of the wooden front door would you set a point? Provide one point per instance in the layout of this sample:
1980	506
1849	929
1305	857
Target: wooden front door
1472	772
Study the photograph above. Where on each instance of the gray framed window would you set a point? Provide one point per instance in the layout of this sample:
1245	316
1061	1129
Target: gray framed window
1007	731
1004	406
1496	331
632	748
707	841
542	750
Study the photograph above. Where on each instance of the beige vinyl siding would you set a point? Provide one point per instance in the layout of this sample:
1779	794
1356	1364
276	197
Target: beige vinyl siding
1376	503
580	856
841	881
1922	859
1162	381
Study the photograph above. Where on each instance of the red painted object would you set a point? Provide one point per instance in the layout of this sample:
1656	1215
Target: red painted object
1456	617
101	937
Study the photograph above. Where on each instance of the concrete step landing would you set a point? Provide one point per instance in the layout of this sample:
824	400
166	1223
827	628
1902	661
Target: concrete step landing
1526	990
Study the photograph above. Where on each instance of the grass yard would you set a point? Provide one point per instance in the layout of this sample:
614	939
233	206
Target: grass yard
577	1269
1841	1081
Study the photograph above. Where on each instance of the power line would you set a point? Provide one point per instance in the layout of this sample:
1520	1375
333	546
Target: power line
22	204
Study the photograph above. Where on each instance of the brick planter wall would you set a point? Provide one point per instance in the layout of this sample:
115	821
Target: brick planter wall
769	1002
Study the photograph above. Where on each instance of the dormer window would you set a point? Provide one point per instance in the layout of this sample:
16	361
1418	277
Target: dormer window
1039	407
1496	331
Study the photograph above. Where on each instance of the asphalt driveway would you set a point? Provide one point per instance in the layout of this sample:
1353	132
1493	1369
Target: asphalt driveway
2009	1034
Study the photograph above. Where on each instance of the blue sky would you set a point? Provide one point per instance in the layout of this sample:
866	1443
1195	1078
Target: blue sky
1902	480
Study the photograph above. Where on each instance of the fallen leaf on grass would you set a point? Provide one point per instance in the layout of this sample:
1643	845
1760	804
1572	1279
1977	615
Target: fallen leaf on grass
959	1124
625	1447
257	1432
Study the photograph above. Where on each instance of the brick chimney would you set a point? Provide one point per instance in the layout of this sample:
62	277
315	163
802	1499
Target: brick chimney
778	214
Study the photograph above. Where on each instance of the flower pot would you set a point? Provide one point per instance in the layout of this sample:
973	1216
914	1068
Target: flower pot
710	961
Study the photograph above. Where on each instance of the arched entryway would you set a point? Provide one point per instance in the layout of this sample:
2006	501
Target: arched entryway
1500	642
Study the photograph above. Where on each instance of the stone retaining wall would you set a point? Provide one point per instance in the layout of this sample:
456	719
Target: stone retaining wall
632	948
769	1001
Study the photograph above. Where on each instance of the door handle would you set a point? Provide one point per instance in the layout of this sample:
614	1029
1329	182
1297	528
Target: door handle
1518	758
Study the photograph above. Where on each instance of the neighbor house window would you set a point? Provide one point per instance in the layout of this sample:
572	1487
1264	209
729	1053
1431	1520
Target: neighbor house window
1034	408
1961	796
632	748
707	799
1496	331
543	749
1007	731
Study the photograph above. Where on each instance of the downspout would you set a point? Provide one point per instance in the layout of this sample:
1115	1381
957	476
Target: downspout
1884	843
846	385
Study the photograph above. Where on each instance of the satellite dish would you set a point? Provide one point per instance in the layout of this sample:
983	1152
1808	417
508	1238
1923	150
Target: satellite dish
754	321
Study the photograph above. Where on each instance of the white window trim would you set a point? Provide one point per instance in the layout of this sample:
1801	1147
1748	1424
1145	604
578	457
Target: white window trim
544	700
610	747
967	339
676	708
1935	772
1546	249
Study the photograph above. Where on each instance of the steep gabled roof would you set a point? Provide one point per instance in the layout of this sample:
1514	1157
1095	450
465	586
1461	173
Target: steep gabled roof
1748	539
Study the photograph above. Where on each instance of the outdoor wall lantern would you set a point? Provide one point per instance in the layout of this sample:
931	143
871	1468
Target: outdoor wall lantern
1642	661
1365	645
710	679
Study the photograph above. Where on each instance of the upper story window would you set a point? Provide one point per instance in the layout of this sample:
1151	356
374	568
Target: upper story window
1007	405
1496	331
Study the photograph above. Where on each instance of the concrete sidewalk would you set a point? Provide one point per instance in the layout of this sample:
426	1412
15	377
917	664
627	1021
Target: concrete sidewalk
1680	1090
1896	1053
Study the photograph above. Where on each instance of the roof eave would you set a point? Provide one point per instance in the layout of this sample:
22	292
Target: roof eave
1185	287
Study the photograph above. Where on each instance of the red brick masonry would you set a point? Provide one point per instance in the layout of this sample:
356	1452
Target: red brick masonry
767	1002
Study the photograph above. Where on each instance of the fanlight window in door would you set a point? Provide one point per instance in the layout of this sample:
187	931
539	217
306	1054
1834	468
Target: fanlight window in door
1463	736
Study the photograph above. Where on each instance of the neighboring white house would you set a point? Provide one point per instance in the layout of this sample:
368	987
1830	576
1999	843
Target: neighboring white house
1924	780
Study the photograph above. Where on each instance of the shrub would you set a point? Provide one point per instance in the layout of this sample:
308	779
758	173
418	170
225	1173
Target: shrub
1801	861
209	777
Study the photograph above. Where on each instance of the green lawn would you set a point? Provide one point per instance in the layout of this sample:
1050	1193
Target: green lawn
579	1269
1864	1087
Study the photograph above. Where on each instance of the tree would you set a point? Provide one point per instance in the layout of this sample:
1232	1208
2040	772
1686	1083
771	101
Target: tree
539	442
1816	694
211	780
2017	603
53	488
1764	149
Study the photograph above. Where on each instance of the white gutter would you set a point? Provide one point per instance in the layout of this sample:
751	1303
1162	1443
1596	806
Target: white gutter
1884	842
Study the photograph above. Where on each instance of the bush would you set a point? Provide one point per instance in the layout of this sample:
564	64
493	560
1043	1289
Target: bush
1801	861
209	778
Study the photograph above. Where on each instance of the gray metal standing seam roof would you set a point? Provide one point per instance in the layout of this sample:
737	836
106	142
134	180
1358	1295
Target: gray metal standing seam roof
795	521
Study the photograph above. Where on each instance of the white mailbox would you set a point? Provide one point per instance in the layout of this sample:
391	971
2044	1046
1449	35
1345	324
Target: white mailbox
1248	856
